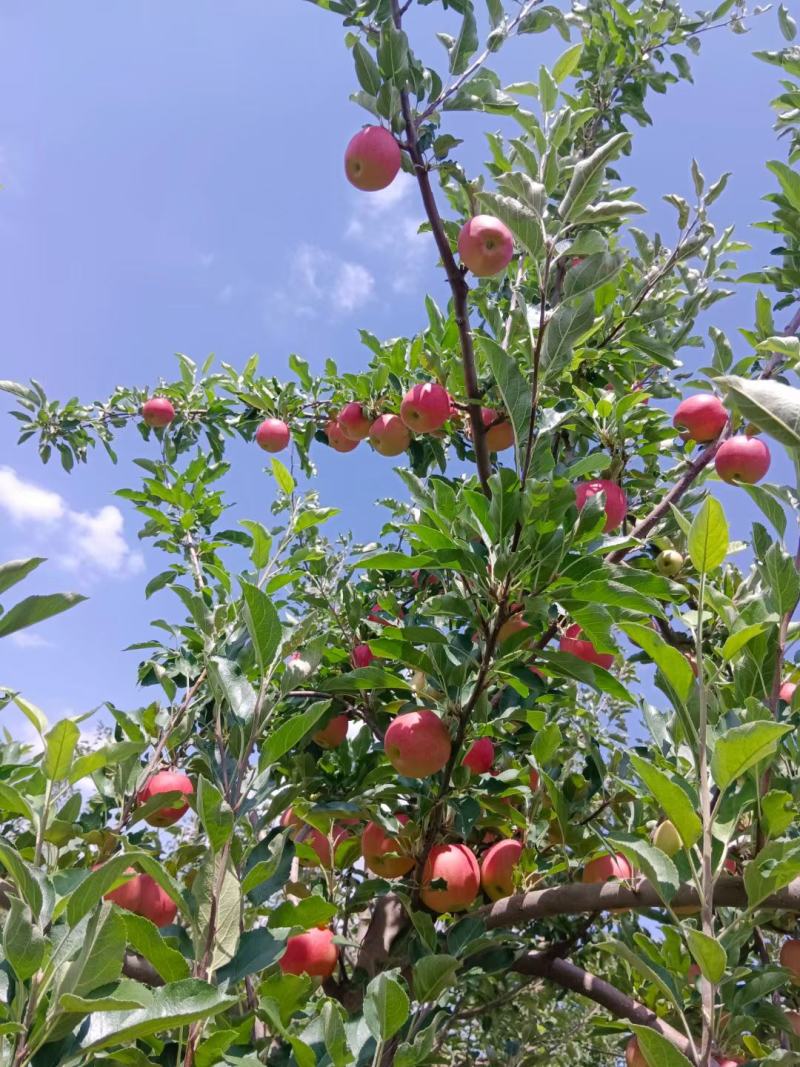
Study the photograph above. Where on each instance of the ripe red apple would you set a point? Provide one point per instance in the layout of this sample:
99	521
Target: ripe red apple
332	733
669	562
485	245
384	855
701	417
499	431
727	1062
572	643
166	782
457	866
383	618
372	159
745	459
389	436
787	691
605	867
312	952
790	958
315	839
616	503
667	838
417	744
273	435
533	779
338	439
512	626
480	756
361	656
425	407
158	412
144	896
354	422
633	1054
497	869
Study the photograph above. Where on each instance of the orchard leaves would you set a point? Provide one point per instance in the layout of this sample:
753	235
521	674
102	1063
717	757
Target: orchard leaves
771	406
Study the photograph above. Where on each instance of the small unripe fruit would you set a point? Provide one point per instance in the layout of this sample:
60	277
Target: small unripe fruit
417	744
385	855
485	245
480	756
158	412
790	958
273	435
425	407
457	866
701	417
337	439
572	643
144	896
743	459
389	435
667	838
787	691
616	503
497	869
362	656
372	159
606	867
312	952
669	562
166	782
422	687
333	733
353	422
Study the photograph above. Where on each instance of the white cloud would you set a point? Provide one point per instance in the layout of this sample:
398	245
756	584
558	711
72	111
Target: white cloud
383	222
319	280
27	639
352	287
92	542
225	295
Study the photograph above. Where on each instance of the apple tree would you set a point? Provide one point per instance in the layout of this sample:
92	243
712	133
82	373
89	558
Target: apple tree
518	781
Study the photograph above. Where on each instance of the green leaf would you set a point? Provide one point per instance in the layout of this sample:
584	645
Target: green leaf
369	77
672	663
593	272
262	623
737	640
334	1034
98	882
386	1007
708	536
652	972
35	609
231	687
467	42
268	867
546	743
777	812
12	801
393	53
35	716
657	1050
22	875
514	389
17	569
587	176
787	24
99	960
562	330
742	747
708	954
567	62
771	406
287	735
775	866
365	678
548	90
214	813
282	476
432	976
790	182
257	950
656	865
312	911
145	938
262	542
524	223
23	940
173	1005
671	798
59	749
393	561
222	905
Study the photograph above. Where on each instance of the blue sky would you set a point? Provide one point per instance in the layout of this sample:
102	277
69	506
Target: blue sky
172	181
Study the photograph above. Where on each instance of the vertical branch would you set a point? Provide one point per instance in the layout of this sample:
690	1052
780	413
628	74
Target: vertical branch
707	987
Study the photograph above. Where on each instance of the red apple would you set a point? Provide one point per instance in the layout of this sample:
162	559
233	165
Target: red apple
533	779
361	656
741	458
383	618
616	504
787	691
572	643
354	422
425	407
383	855
793	1019
512	626
790	958
338	439
166	782
633	1054
480	756
667	838
158	412
700	417
485	245
273	435
499	431
315	839
457	866
497	869
389	436
693	973
372	159
332	733
605	867
144	896
417	744
312	953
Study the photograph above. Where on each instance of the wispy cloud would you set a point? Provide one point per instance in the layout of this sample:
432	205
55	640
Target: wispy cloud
92	543
319	280
27	639
385	222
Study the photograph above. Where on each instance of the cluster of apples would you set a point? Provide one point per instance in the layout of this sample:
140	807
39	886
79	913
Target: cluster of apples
741	458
